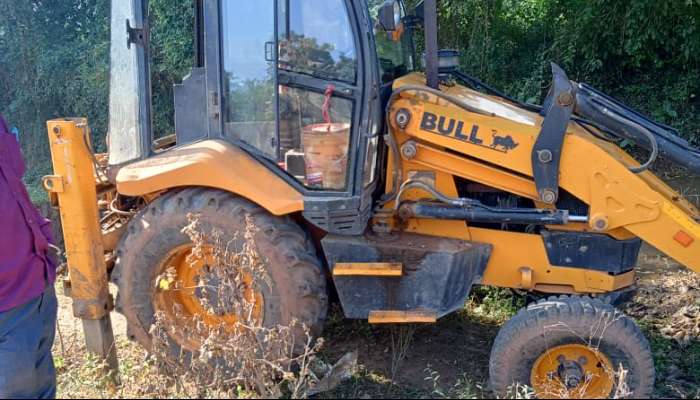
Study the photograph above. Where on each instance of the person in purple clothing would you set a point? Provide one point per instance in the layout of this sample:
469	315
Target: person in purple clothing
28	304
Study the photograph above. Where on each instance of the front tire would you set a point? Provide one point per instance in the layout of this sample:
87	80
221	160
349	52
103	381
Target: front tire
572	347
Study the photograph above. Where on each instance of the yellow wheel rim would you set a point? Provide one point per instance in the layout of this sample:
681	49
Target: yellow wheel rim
573	372
183	305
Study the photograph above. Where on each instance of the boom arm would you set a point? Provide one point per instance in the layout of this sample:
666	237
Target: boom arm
494	147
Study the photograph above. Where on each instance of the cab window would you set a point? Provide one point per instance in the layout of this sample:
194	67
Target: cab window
248	31
394	50
284	104
316	39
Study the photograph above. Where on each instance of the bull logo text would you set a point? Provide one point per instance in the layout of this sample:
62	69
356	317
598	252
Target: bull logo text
456	129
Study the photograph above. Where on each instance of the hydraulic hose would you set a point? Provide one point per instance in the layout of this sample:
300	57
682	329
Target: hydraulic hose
586	123
630	124
432	191
650	136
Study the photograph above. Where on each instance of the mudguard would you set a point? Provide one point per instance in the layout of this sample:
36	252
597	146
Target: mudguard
214	164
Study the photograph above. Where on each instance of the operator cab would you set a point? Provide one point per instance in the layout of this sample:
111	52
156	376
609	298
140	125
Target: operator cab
298	84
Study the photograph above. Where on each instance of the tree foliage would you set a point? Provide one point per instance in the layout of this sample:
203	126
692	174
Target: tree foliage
645	52
53	63
54	57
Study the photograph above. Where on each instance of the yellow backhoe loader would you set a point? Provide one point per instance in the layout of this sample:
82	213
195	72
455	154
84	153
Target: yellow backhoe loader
395	189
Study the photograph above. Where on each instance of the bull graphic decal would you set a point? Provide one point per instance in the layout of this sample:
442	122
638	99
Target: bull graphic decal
458	129
503	143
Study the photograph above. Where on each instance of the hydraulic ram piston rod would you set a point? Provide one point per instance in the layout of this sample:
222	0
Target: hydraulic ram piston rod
489	215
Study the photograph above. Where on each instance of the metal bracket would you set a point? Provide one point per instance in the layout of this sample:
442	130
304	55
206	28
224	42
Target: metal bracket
53	184
614	204
134	35
546	154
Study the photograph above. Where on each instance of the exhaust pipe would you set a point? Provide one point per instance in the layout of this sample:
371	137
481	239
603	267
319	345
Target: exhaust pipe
431	43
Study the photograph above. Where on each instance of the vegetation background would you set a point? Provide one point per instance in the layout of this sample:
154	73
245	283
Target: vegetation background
54	57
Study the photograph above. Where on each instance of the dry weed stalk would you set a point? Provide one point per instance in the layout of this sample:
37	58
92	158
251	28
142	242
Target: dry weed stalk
244	359
521	392
401	339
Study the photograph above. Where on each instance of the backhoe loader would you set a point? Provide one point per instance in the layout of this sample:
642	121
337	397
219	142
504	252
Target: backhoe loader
396	190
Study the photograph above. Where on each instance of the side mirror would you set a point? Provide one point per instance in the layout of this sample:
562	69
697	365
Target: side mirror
390	15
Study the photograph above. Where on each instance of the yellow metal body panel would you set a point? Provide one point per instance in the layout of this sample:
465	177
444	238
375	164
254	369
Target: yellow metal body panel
402	317
74	185
513	251
368	269
215	164
473	146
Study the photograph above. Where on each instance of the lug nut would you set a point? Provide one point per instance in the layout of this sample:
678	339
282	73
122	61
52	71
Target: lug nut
572	382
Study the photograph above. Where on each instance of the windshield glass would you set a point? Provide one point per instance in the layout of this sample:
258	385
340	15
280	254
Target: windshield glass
394	50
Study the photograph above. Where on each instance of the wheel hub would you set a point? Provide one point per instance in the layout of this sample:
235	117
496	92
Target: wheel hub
573	371
216	295
205	297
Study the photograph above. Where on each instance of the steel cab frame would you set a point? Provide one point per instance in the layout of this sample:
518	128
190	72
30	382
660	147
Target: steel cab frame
199	102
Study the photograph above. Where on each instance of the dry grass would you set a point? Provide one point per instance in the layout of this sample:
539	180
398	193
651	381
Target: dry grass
670	303
244	360
410	365
401	338
79	376
666	307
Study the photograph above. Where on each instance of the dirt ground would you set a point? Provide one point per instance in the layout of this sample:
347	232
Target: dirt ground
446	360
450	359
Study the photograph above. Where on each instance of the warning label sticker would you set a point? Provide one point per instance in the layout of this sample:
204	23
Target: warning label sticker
682	219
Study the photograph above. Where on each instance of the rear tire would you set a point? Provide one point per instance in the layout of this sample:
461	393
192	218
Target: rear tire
297	291
574	324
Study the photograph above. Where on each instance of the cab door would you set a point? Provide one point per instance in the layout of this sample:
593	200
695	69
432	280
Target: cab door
248	75
296	93
290	86
130	89
318	91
